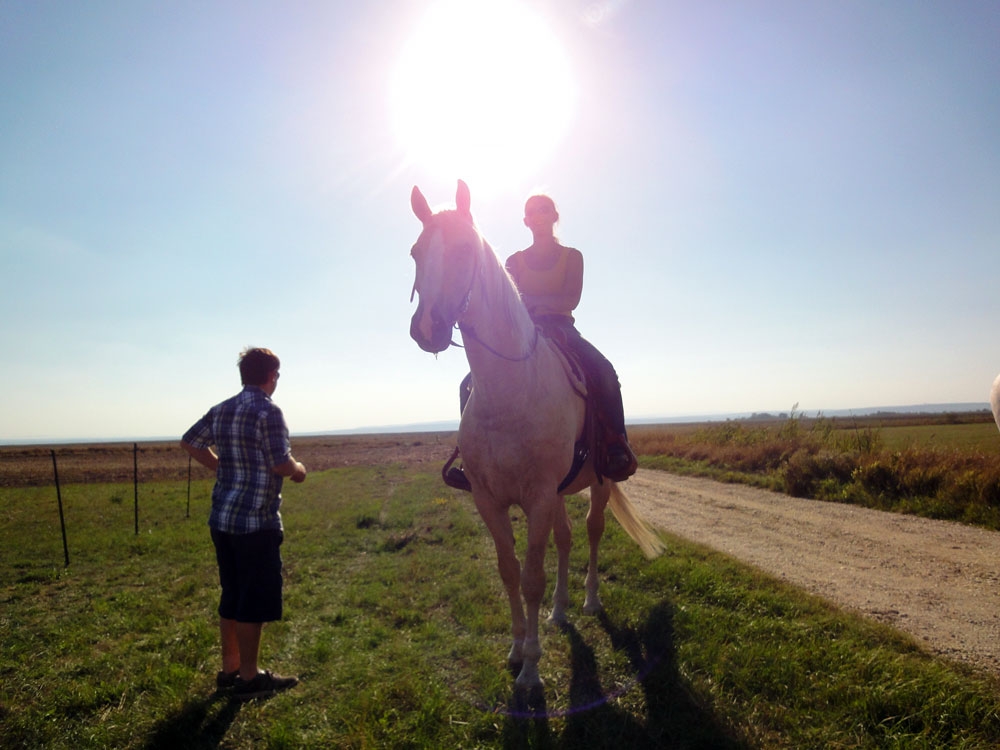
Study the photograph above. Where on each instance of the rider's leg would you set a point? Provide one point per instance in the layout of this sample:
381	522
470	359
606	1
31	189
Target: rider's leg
621	462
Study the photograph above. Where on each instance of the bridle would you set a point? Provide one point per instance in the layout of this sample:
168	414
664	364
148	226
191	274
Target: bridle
470	331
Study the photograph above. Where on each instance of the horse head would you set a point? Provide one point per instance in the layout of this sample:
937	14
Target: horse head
446	255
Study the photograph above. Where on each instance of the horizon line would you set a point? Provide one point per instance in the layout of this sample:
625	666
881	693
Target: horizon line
966	407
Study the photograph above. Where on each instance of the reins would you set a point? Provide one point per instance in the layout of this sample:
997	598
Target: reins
470	331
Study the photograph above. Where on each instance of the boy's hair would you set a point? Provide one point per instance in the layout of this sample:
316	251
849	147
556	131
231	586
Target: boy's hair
256	365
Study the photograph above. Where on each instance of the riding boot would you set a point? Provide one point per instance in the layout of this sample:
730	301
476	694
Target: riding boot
454	476
619	461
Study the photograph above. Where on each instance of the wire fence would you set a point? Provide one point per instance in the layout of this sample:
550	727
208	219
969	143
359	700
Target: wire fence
87	463
39	466
147	463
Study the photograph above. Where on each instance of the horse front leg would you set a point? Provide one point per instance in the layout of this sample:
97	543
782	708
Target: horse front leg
562	532
599	494
509	567
498	522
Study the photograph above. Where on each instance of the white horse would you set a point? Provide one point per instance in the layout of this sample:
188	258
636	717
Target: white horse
520	425
995	400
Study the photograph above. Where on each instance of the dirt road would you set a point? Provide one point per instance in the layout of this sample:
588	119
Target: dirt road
936	580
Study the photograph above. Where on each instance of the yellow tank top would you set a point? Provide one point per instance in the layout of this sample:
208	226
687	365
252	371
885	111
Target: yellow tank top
547	281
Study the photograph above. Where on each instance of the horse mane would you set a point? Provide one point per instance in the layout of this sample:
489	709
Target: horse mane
499	289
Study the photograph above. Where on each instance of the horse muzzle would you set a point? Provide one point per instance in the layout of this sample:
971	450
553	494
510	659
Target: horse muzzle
430	330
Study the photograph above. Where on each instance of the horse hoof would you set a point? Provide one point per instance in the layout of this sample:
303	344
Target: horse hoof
515	662
529	702
529	687
558	619
515	658
529	679
593	609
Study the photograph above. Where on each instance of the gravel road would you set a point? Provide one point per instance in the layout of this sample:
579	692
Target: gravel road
939	581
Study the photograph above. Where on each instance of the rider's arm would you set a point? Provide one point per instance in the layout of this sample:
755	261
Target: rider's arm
567	297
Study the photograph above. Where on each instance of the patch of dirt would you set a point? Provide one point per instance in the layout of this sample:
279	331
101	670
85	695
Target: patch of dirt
31	465
938	581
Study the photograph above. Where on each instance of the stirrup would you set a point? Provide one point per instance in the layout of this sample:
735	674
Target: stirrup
454	476
580	455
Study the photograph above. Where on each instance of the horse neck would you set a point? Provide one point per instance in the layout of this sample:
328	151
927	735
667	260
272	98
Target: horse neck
501	329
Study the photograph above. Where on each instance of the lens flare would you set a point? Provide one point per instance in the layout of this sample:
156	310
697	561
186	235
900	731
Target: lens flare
482	90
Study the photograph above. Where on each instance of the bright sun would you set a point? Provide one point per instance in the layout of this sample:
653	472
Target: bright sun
482	90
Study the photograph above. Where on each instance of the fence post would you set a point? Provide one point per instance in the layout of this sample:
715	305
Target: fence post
188	514
62	520
135	475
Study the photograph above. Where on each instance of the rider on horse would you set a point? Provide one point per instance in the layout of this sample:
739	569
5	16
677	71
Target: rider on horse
549	277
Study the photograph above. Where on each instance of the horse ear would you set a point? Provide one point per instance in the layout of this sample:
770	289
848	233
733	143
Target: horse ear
463	199
419	205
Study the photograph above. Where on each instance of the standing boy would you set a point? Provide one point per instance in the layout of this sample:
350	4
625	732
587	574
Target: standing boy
252	455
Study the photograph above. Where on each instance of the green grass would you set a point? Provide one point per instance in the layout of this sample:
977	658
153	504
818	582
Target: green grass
978	436
397	625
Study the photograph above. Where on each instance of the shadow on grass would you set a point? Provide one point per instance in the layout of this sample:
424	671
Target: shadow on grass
675	717
200	723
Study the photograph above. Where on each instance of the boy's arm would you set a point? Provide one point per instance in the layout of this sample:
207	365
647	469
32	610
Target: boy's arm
205	456
292	469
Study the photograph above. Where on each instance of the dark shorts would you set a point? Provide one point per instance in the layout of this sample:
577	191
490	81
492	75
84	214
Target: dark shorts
250	574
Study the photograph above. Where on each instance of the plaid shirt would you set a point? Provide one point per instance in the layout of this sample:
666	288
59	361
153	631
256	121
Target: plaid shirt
250	436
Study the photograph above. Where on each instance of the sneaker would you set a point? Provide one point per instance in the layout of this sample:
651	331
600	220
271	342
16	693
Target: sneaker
263	685
226	680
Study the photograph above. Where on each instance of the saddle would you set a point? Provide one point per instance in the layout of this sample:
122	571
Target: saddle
596	435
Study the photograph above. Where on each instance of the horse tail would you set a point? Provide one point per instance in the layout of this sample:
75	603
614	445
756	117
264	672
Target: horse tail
647	539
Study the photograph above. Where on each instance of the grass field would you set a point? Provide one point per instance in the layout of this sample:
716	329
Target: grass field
974	436
397	624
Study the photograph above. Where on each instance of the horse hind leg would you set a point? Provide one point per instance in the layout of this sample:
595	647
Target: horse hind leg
562	532
599	494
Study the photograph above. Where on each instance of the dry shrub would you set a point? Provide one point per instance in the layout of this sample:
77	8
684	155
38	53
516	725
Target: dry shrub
813	473
652	442
942	484
812	460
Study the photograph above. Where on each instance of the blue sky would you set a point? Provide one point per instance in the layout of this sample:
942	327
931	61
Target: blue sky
779	203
